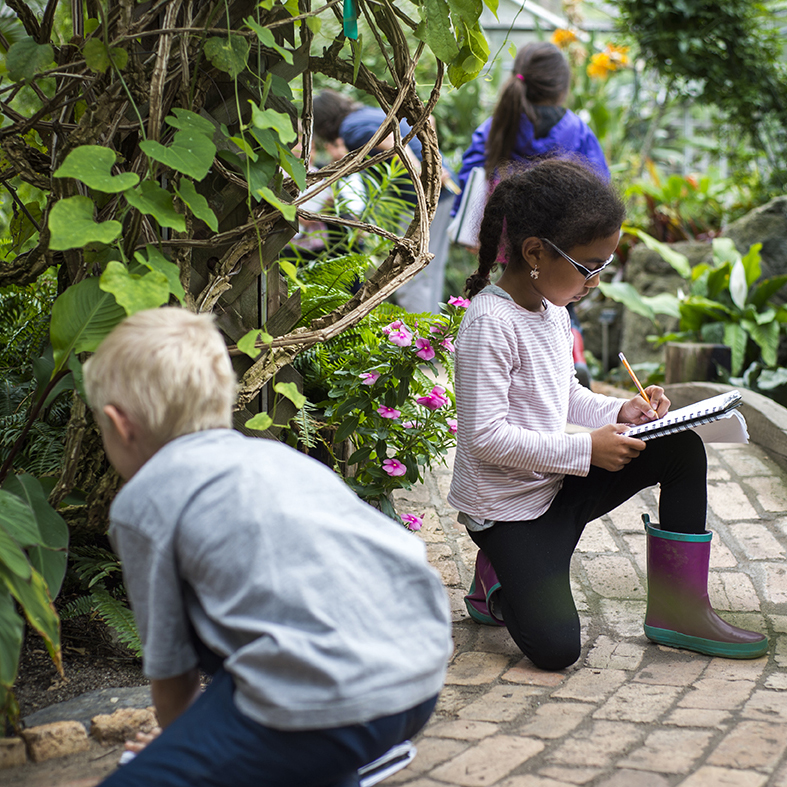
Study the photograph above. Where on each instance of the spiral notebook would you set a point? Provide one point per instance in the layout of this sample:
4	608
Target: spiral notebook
716	420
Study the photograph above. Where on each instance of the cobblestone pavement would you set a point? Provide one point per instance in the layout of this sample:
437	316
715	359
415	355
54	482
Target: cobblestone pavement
630	713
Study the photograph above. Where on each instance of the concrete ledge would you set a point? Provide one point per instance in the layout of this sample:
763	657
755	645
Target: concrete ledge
766	420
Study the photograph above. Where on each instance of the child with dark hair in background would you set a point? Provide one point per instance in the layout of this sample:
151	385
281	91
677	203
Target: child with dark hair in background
526	488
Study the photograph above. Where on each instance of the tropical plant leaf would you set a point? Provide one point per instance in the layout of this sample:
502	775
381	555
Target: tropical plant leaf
99	57
678	261
13	556
33	597
197	204
151	199
266	39
435	30
18	520
230	54
247	343
291	392
71	225
133	292
49	559
12	630
276	121
156	261
26	58
81	317
260	422
92	165
287	210
191	152
624	293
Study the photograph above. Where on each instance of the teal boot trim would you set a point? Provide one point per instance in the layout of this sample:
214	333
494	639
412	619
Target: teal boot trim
730	650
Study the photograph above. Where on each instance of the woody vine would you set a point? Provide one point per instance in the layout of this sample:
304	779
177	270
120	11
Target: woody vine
148	152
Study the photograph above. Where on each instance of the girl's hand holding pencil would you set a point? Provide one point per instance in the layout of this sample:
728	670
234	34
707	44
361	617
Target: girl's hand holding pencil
651	403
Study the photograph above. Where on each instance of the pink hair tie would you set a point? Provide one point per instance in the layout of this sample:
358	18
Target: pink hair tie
519	76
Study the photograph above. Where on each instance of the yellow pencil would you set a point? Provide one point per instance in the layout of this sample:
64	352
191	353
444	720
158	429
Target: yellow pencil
636	381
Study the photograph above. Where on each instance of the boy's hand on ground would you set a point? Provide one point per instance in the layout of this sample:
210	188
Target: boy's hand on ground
611	450
142	739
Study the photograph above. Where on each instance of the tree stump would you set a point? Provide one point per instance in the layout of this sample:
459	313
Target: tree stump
695	362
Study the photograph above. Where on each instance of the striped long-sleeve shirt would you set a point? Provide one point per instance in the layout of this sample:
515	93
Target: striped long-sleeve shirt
515	393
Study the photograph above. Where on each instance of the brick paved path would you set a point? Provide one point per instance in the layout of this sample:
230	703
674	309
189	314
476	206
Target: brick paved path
629	713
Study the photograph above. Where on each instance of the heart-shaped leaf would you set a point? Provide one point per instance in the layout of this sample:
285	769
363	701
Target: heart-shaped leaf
197	204
92	165
229	54
71	225
133	292
156	261
26	58
151	199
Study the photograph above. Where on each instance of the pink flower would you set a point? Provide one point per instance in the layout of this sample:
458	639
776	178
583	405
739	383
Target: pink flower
436	329
394	467
400	338
435	400
396	325
455	300
452	425
388	412
425	349
412	522
409	424
370	378
448	344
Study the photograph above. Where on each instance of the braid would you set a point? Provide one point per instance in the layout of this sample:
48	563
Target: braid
558	199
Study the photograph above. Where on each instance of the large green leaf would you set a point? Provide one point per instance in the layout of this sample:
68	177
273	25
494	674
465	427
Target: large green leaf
33	597
736	338
766	336
197	204
18	520
678	261
81	318
71	225
99	57
26	58
293	166
291	392
230	54
277	121
50	558
156	261
133	292
260	422
287	210
266	39
92	165
12	630
191	152
624	293
155	201
435	30
12	555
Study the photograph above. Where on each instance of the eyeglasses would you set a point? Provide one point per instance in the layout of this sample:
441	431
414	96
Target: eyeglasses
586	272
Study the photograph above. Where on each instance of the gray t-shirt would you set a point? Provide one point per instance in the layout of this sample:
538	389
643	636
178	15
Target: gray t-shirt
325	611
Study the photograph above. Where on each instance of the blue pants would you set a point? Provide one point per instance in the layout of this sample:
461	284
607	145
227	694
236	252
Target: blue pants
214	744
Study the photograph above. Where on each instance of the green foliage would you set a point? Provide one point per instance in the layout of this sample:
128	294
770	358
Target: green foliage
725	54
103	595
33	540
727	302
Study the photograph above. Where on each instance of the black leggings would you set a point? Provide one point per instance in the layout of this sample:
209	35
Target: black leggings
532	558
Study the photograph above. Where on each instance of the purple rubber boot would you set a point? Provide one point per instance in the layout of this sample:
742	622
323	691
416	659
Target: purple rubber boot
679	611
480	601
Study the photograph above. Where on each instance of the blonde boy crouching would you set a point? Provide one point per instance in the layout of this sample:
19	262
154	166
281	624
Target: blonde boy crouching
325	629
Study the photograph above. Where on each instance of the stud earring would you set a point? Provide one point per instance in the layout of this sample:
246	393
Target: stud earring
534	272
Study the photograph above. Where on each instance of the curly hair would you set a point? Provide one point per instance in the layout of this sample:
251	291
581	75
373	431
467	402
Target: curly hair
559	199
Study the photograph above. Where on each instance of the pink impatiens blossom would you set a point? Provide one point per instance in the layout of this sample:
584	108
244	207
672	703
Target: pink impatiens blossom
455	300
452	425
412	522
388	412
370	378
409	424
448	344
435	400
436	329
401	338
425	349
394	467
396	325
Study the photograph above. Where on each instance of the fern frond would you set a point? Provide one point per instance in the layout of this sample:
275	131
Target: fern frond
77	608
118	617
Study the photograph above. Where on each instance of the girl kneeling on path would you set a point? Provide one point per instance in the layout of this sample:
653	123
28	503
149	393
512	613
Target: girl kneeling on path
525	488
